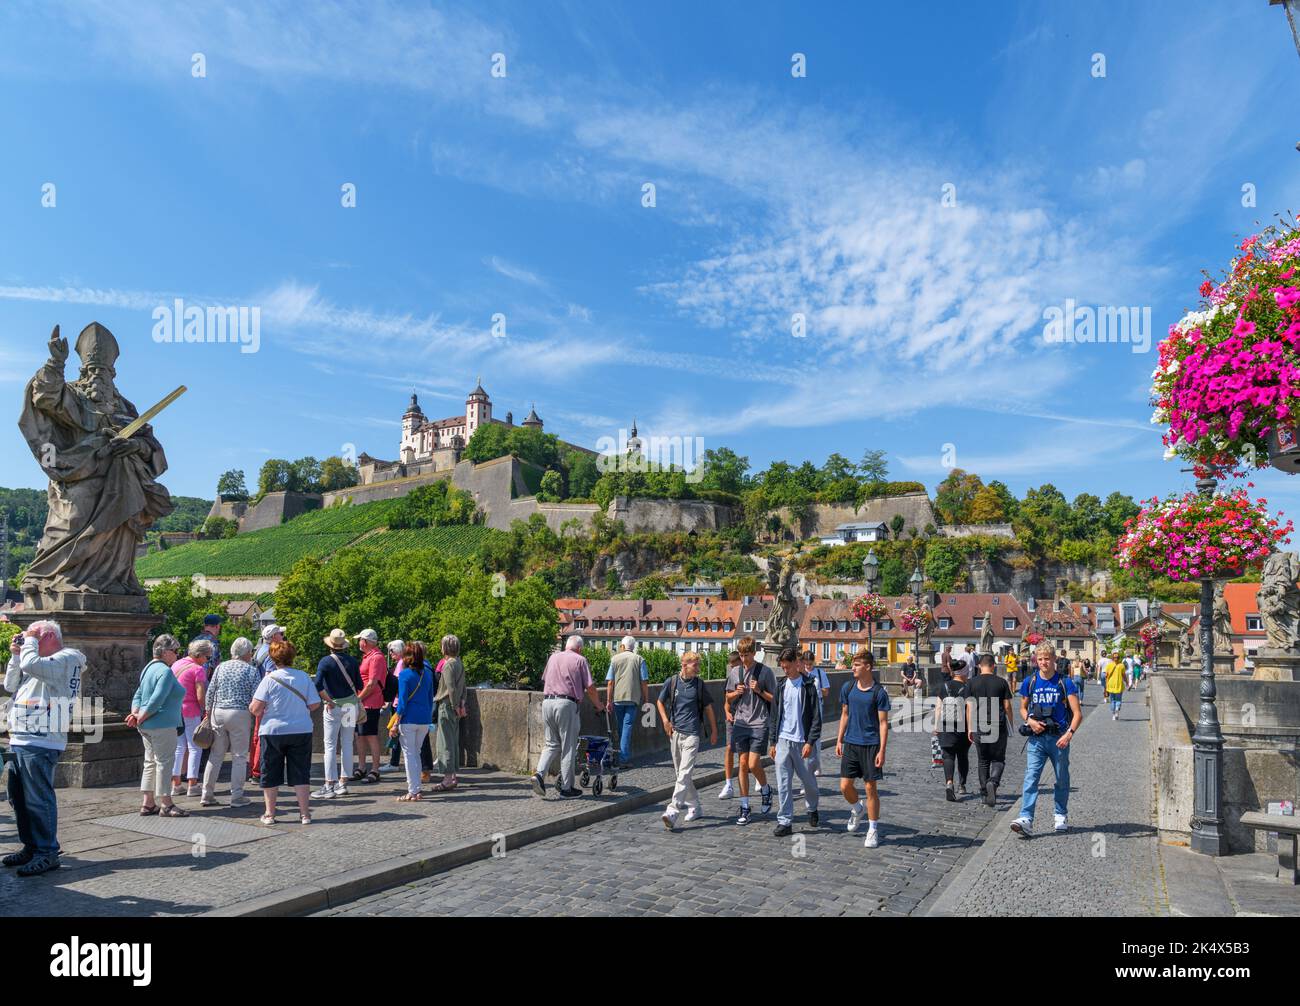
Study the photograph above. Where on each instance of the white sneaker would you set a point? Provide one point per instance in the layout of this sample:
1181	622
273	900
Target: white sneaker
240	801
855	819
727	792
670	818
326	792
693	814
1060	823
341	789
390	768
1023	827
195	790
873	838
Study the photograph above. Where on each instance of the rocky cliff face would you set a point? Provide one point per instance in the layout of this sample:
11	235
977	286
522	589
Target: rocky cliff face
1009	574
630	564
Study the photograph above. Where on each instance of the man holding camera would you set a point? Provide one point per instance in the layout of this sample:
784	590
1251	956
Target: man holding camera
1049	706
44	677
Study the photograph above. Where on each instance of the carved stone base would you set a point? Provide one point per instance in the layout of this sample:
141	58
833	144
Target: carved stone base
114	754
1276	665
51	604
116	647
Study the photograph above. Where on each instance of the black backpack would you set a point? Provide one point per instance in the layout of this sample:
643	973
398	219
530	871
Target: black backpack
669	694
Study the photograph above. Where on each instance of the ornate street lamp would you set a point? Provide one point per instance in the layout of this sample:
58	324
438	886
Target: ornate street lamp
1208	836
870	570
916	582
1156	608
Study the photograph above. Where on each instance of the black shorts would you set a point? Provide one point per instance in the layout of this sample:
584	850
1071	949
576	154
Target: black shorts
370	728
747	740
285	752
859	762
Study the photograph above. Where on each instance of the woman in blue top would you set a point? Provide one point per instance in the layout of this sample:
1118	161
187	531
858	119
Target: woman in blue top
414	714
157	702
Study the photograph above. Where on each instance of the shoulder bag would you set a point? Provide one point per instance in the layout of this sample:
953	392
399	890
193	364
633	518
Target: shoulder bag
349	704
205	734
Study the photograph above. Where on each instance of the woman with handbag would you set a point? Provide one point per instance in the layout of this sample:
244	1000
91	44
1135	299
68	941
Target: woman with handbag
157	702
451	710
414	710
229	694
338	680
281	700
191	672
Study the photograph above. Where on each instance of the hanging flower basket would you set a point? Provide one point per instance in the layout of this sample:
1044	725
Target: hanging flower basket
1034	638
1228	381
1150	637
1194	537
870	608
914	619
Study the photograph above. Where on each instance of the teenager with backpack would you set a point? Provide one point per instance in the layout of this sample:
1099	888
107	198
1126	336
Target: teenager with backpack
750	690
684	705
952	726
860	743
794	729
1049	706
991	701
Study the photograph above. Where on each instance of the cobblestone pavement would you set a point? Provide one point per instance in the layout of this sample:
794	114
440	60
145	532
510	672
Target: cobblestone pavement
108	871
631	865
1108	863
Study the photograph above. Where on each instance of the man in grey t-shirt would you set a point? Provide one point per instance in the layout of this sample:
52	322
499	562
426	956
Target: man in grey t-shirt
750	690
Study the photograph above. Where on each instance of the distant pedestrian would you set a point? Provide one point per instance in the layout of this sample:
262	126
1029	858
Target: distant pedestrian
861	741
374	673
1115	673
211	633
414	713
952	725
684	706
1076	675
284	702
627	690
728	758
229	694
1128	671
190	672
451	709
808	665
794	729
566	679
1137	672
991	702
1012	665
751	687
265	665
44	677
156	713
338	682
912	681
1049	707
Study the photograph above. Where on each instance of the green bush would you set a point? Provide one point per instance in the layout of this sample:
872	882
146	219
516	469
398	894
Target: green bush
7	632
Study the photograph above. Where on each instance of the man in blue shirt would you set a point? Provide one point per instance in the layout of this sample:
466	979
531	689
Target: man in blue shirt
809	666
860	744
1049	705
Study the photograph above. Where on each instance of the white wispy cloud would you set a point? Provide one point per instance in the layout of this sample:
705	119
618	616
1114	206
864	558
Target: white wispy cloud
516	272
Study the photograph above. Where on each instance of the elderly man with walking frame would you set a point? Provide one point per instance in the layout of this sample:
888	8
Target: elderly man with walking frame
566	680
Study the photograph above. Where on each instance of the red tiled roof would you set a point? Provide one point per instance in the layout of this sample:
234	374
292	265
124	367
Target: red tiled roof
1243	600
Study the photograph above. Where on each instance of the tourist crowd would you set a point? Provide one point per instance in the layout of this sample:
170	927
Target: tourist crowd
192	708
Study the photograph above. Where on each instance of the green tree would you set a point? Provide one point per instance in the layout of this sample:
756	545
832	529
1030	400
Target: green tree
873	467
487	442
955	495
422	594
275	476
896	524
304	475
7	632
1117	509
552	488
220	527
437	504
723	470
986	507
231	485
335	473
945	564
582	473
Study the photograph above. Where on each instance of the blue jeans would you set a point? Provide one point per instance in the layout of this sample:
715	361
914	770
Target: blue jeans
1116	700
31	792
1038	752
625	717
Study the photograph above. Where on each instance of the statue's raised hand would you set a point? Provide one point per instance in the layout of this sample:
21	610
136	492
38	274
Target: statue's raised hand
58	348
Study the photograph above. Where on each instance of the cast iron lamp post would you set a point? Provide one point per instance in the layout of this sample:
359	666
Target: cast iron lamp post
870	570
916	581
1208	836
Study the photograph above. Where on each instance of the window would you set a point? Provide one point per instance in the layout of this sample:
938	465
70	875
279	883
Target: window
979	623
885	625
1076	644
1008	623
839	650
842	625
816	625
1254	623
749	625
762	626
997	600
853	647
945	623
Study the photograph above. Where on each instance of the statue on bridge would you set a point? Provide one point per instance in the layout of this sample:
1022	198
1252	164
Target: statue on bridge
986	634
782	624
102	468
1279	602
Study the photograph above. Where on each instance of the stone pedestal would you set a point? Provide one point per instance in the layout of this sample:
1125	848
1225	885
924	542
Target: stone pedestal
1276	665
101	748
1224	664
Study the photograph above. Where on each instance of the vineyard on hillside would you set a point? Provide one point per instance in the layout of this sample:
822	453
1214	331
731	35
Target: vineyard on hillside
460	540
316	534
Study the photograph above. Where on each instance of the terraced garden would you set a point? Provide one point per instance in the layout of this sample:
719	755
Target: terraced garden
273	551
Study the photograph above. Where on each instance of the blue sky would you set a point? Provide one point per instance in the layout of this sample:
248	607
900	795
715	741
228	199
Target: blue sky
522	196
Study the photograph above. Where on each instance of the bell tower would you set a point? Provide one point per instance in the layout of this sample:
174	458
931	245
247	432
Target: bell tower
478	409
